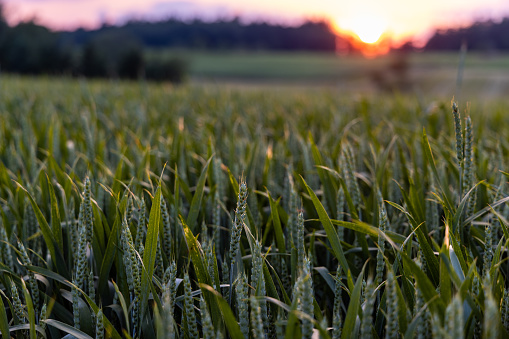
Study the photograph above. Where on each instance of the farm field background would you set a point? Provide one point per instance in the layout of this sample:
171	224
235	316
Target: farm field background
255	209
485	75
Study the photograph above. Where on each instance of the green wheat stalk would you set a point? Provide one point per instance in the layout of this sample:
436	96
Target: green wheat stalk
189	308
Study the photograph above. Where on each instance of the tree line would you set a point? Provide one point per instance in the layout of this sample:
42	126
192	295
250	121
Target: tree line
28	48
480	36
218	35
121	51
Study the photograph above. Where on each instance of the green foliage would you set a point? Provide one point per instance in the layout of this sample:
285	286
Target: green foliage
241	291
28	48
173	69
323	241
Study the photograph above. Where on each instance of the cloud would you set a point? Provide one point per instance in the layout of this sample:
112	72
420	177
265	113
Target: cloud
179	9
189	9
47	1
171	5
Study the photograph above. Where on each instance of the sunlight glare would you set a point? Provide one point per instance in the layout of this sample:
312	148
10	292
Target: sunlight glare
368	27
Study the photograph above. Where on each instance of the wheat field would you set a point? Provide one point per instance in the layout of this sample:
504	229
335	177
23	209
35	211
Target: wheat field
134	210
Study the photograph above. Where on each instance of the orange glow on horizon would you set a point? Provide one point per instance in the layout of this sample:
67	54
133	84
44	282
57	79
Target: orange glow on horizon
366	32
367	35
380	47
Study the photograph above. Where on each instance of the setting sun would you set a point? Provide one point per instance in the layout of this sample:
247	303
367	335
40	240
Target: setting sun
368	27
367	32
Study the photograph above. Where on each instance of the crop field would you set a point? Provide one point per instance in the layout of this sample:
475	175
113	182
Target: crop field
138	210
485	76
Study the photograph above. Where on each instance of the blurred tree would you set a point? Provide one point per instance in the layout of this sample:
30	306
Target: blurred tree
131	64
28	48
113	49
172	70
92	62
485	36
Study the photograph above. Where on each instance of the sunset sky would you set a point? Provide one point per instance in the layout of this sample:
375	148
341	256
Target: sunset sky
398	18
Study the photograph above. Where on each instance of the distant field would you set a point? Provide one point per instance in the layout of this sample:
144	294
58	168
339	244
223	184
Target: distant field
485	76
